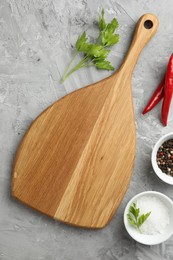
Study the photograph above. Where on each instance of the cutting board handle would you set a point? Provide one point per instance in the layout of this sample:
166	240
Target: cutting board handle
145	29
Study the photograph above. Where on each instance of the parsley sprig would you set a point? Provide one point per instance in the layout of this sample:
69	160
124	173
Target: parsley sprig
134	218
95	54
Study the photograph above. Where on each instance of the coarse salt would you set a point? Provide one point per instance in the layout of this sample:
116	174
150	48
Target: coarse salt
159	218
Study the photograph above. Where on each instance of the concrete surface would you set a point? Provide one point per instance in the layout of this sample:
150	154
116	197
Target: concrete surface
36	39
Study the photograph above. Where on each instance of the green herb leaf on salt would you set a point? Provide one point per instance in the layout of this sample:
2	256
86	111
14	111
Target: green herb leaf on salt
142	219
134	218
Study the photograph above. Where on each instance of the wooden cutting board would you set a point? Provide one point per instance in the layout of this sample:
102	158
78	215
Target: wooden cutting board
75	162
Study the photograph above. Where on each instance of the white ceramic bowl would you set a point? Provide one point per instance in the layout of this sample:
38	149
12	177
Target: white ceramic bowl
164	177
150	239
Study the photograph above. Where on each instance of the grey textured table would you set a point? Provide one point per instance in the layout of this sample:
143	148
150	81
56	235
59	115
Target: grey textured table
36	38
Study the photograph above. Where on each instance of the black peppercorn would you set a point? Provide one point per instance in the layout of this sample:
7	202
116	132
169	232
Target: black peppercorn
164	157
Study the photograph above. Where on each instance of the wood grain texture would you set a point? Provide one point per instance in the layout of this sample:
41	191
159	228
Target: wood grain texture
76	159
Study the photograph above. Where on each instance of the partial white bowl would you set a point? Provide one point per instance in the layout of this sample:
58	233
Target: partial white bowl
164	177
150	239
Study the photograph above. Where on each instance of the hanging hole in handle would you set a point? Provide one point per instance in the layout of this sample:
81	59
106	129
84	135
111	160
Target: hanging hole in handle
148	24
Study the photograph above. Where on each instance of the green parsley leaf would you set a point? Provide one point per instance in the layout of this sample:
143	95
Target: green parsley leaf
134	211
102	23
81	43
142	219
134	218
97	51
94	54
131	220
112	26
109	39
104	65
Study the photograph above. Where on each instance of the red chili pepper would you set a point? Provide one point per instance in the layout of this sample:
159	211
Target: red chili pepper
156	97
168	91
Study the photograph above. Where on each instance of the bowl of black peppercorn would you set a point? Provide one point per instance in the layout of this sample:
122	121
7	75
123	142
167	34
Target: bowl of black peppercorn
162	158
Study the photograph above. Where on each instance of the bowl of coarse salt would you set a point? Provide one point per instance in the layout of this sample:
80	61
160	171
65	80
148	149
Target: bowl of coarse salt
155	211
